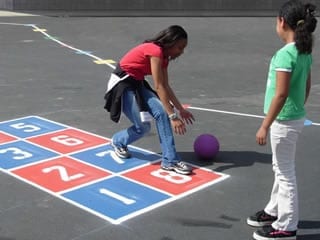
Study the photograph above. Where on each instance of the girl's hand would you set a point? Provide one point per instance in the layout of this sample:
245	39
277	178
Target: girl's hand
178	126
261	136
186	116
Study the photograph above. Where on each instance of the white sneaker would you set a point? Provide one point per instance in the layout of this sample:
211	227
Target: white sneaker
121	152
179	167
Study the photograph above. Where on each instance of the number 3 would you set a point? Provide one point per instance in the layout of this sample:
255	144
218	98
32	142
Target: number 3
16	151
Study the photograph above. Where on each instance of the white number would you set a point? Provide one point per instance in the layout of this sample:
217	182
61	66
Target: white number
66	140
112	154
171	176
26	127
63	173
123	199
16	151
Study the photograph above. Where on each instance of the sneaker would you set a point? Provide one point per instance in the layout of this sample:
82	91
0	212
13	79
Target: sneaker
121	152
269	233
179	167
260	219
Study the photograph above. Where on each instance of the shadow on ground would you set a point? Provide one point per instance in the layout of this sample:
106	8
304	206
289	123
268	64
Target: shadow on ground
305	224
228	159
308	237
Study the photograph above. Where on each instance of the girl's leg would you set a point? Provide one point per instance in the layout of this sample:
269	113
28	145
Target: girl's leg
138	129
163	125
284	136
272	206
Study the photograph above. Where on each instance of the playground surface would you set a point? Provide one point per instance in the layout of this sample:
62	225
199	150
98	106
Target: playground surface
59	178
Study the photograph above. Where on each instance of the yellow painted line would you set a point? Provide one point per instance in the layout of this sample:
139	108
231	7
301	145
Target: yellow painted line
39	30
106	61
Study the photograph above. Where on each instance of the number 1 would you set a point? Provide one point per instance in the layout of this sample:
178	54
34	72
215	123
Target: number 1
123	199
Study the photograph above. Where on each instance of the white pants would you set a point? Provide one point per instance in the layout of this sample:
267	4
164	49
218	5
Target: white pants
283	201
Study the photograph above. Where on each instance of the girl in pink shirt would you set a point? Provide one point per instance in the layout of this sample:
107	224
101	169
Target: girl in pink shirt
128	92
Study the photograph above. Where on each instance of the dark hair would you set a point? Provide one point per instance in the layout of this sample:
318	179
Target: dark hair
169	36
300	18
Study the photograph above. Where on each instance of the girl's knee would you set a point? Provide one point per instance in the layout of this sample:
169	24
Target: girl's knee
146	127
160	114
143	128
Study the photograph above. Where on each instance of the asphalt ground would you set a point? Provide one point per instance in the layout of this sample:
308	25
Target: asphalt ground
51	73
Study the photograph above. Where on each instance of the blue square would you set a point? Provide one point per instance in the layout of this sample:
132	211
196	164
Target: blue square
19	153
105	158
116	197
29	126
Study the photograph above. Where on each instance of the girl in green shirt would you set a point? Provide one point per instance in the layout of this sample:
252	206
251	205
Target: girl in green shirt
287	90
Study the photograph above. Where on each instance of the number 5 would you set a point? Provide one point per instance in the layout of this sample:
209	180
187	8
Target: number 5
26	127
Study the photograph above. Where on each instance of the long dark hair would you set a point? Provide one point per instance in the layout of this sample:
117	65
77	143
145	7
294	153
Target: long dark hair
169	36
300	18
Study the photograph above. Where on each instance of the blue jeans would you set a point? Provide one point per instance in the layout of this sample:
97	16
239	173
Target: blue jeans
131	109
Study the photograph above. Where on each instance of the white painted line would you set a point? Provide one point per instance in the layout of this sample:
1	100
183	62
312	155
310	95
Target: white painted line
235	113
226	112
14	14
14	24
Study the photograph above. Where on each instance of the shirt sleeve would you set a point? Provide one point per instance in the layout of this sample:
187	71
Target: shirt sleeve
155	51
284	61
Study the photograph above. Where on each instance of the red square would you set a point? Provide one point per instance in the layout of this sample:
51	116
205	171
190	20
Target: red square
60	174
4	138
68	140
172	182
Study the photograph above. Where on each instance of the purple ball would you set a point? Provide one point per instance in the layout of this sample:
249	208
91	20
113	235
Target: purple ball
206	146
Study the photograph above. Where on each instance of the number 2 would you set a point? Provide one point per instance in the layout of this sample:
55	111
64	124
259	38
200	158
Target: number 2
63	173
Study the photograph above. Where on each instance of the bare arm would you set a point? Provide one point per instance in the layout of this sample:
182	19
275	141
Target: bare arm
308	87
161	83
164	91
185	115
281	94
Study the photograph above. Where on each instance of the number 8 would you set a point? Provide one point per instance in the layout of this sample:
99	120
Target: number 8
171	176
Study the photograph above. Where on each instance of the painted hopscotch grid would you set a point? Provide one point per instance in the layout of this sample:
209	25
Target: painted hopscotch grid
81	168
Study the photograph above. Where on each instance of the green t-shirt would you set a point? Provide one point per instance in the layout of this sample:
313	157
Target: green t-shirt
288	59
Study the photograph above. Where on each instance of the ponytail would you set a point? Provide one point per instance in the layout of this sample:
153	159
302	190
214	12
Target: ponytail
302	21
305	27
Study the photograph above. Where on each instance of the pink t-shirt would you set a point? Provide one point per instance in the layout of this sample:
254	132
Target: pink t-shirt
136	62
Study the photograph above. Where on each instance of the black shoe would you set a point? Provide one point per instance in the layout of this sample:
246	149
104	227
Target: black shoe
179	167
269	233
260	219
121	152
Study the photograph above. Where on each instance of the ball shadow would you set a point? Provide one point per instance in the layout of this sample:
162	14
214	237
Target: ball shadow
227	159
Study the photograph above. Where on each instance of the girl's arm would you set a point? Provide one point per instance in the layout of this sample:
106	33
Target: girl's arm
172	96
185	115
161	86
281	94
308	87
